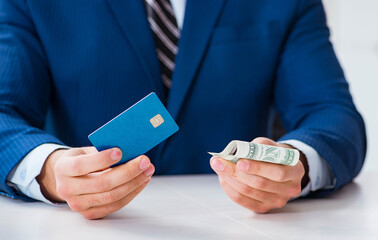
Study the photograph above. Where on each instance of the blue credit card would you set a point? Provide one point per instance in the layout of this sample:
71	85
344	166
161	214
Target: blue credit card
136	130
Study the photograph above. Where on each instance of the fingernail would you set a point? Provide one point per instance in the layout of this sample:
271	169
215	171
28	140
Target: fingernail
144	163
217	164
149	171
242	165
116	155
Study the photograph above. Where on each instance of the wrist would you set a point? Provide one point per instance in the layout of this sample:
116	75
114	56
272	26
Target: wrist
303	159
305	178
46	178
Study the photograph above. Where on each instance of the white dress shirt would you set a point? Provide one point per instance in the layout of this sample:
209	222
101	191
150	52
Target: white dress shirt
23	176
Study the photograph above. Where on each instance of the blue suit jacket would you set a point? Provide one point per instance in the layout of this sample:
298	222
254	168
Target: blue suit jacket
82	62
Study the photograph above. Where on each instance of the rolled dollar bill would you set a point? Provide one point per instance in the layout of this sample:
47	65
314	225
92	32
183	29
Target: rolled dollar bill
236	150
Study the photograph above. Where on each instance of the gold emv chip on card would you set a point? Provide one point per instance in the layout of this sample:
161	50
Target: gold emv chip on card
157	121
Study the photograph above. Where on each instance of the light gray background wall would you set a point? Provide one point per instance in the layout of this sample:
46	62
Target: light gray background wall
354	27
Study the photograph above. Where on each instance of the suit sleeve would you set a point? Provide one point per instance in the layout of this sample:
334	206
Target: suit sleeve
25	88
313	98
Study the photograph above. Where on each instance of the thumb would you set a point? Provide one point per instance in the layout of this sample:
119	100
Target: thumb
222	166
81	151
266	141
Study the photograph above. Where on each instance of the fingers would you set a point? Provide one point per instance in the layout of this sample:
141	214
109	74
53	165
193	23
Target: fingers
106	180
284	184
274	172
271	200
222	167
239	198
83	161
84	202
290	188
85	181
104	210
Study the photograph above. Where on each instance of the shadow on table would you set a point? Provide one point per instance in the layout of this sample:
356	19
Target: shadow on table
349	195
134	224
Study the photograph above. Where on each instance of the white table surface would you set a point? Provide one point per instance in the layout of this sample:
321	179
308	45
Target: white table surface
195	207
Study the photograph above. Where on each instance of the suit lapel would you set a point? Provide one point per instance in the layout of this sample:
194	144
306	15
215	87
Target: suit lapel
131	16
200	19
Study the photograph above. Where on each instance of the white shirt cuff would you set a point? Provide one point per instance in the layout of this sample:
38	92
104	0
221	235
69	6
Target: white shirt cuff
23	175
320	174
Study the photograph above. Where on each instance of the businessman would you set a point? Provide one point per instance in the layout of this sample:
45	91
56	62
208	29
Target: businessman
221	67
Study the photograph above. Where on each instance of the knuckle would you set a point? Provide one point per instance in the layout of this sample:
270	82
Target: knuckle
297	191
110	197
280	203
246	190
90	215
237	197
281	175
109	209
255	168
76	165
75	205
129	173
63	190
102	184
260	183
294	191
302	172
261	209
58	168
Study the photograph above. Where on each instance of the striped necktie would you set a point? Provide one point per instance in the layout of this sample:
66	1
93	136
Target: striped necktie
163	24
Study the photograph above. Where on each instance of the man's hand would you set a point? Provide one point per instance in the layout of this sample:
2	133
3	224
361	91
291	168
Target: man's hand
82	178
260	186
